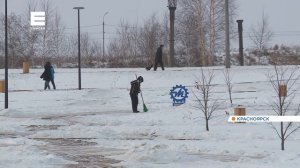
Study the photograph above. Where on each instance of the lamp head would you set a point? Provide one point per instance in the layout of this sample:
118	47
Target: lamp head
172	4
78	8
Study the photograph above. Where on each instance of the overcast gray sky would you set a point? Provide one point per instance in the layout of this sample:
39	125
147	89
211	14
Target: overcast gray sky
282	15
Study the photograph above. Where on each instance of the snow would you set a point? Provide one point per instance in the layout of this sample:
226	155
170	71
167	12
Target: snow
54	128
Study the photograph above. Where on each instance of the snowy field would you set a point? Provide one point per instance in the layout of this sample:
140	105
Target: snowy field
94	127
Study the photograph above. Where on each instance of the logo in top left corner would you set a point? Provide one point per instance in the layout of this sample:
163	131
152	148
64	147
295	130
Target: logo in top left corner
38	20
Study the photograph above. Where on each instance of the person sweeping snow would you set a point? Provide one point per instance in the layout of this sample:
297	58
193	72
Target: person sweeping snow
134	91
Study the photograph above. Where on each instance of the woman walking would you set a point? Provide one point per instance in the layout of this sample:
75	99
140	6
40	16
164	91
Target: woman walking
52	75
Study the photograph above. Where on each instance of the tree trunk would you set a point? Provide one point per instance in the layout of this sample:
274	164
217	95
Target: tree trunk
207	129
212	33
282	136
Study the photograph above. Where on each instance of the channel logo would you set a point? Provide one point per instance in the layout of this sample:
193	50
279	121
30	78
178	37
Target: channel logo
38	20
255	119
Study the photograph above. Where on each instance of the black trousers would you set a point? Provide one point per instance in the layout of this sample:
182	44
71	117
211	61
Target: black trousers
134	102
53	84
47	86
161	64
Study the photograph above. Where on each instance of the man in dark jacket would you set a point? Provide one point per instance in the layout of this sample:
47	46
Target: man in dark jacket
158	58
46	76
134	91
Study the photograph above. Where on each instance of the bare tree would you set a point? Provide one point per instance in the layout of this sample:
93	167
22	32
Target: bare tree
15	39
191	27
22	41
31	37
136	45
1	46
85	45
212	32
71	49
187	37
228	81
124	47
46	6
57	41
261	35
216	26
201	25
150	38
204	95
284	76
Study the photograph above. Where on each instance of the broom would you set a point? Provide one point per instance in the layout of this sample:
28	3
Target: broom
145	109
144	105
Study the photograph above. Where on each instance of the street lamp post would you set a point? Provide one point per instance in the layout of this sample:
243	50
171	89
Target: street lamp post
103	48
79	61
6	59
241	48
172	4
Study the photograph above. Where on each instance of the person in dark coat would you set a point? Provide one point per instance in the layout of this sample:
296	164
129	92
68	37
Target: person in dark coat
134	91
158	58
46	76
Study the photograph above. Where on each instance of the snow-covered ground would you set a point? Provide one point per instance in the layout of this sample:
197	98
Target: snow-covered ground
94	127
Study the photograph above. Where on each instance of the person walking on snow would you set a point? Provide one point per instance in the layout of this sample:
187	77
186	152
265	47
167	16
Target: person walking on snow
52	75
46	76
134	91
158	58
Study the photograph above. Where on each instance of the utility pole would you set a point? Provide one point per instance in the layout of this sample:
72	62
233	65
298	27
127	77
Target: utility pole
6	59
172	7
241	48
79	61
103	47
227	39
